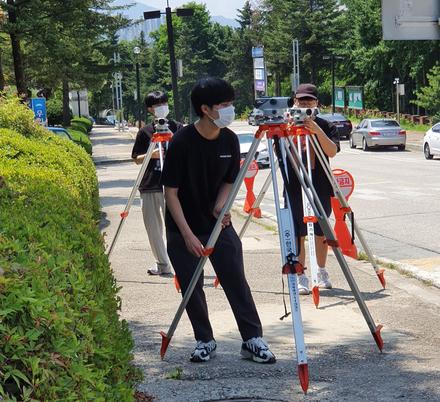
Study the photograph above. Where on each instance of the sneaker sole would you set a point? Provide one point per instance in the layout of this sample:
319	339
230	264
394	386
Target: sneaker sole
303	292
198	359
250	356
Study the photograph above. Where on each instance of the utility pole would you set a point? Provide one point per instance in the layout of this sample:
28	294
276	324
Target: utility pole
180	12
295	53
137	51
333	59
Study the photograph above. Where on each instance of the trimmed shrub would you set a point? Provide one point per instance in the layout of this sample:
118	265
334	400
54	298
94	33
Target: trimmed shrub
60	334
82	121
78	126
81	139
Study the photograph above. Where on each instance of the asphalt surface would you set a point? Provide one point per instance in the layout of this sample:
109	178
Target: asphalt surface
344	362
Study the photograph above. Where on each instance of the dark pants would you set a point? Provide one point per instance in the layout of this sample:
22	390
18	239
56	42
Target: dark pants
227	260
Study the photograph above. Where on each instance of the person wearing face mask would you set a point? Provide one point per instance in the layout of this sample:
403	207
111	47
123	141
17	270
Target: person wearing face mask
151	191
306	96
202	164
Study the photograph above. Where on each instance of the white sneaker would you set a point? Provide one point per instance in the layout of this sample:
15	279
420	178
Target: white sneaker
324	279
256	349
203	351
303	285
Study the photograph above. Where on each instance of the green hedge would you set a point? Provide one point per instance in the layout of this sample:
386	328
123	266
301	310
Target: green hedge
82	122
60	334
81	139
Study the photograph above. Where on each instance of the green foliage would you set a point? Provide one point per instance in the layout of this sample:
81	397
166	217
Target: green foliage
429	96
54	111
81	139
60	334
82	121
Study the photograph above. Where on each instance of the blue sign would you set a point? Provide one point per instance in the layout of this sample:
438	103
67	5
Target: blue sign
38	105
257	52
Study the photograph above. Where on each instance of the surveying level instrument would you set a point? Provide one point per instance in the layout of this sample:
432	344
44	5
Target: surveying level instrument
162	134
279	136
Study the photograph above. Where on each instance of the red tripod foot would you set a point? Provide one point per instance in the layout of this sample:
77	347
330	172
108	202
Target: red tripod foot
303	374
165	342
315	296
378	337
380	275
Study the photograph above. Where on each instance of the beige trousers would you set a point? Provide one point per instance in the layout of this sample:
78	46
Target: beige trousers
153	211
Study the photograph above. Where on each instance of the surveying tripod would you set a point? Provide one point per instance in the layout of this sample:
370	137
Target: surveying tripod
280	137
311	142
162	134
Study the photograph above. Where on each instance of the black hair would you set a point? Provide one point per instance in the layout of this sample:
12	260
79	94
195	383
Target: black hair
210	91
155	98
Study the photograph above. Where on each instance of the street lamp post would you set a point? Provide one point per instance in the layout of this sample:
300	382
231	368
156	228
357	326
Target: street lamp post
332	58
180	12
137	51
396	83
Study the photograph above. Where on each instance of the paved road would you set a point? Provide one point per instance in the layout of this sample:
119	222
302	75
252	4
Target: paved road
395	202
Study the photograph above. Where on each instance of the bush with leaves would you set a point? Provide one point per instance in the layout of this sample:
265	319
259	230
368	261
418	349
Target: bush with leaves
83	122
60	334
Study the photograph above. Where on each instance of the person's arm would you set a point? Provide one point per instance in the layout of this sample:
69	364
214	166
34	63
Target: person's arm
327	145
192	243
222	196
140	158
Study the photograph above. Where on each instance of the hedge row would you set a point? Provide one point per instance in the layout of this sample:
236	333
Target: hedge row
81	139
60	334
81	124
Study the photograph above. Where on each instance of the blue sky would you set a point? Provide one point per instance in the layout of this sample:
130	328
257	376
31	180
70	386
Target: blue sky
226	8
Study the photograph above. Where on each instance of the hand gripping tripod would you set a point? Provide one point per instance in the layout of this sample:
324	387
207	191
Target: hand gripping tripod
280	136
162	135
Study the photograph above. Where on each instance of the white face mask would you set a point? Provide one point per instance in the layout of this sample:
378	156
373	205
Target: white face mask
226	117
161	111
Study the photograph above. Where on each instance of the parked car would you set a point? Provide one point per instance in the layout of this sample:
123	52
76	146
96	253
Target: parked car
431	142
253	116
343	125
261	156
378	133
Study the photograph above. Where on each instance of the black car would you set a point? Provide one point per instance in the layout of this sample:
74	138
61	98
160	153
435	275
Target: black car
343	125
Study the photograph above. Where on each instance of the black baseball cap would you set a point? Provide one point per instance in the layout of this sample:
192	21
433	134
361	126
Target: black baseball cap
306	91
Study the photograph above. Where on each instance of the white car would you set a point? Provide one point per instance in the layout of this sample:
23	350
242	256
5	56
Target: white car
431	142
261	156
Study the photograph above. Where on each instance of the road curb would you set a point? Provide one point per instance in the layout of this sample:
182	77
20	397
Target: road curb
112	161
427	278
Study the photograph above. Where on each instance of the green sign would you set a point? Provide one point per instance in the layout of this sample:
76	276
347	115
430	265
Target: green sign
355	97
339	97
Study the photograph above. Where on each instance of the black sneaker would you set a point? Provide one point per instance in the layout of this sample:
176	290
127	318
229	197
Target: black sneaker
203	351
256	349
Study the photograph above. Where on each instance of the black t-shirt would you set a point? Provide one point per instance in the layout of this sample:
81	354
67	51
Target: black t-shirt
320	181
198	167
150	183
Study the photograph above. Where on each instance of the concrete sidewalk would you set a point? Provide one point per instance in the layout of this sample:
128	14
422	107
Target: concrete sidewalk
344	362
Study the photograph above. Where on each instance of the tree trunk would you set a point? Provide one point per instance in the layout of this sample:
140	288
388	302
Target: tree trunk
16	51
66	108
2	77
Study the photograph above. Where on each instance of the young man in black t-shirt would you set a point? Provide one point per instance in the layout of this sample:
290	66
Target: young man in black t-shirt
153	203
202	164
306	96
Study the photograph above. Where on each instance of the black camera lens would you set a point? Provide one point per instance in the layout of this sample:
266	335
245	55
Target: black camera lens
161	121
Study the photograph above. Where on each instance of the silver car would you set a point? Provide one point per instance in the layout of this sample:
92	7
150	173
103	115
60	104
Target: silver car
378	133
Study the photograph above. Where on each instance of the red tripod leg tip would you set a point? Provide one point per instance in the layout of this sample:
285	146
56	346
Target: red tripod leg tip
303	374
315	296
378	337
165	342
380	275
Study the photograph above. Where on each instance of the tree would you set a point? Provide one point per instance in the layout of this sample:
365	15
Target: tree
428	97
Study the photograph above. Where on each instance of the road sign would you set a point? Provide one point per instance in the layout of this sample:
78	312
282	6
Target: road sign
339	97
257	52
345	181
355	97
411	19
38	105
